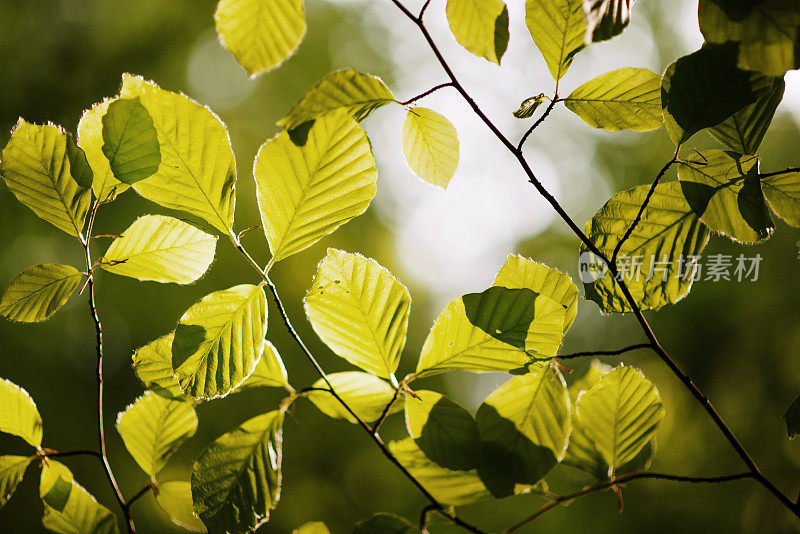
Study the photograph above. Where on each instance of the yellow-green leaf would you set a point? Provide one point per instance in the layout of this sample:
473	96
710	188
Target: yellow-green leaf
39	291
307	191
161	249
36	168
261	34
270	371
314	527
198	171
366	394
90	139
359	94
12	468
360	310
70	509
430	146
175	498
18	413
558	29
152	363
782	191
480	26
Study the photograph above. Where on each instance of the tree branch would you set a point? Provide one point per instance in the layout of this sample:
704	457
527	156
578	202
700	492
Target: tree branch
385	413
540	120
426	93
139	494
616	352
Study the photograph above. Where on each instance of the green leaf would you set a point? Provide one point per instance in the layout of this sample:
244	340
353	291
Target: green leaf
619	415
384	524
366	394
12	469
360	310
36	168
430	146
480	26
497	330
161	249
90	139
198	171
18	413
261	34
558	29
444	431
767	32
523	273
219	341
70	509
359	94
154	427
723	190
175	498
153	365
524	425
314	527
668	231
624	99
79	167
528	106
236	481
455	488
270	371
705	88
792	417
744	130
783	194
38	292
306	192
606	18
130	141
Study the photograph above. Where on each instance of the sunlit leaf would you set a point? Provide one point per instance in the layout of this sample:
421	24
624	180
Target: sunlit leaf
38	292
261	34
12	468
360	310
236	481
130	141
70	509
366	394
497	330
723	190
783	194
269	372
36	168
90	139
79	167
524	426
219	340
175	498
18	413
154	427
558	29
359	94
606	18
161	249
430	146
624	99
152	363
307	191
655	261
480	26
198	171
314	527
523	273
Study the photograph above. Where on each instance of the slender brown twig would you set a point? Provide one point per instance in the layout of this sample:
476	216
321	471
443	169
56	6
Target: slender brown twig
615	352
540	120
426	93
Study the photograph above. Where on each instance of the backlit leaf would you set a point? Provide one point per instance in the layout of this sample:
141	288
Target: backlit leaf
606	18
314	527
366	394
430	146
70	509
90	139
783	194
18	413
480	26
12	468
39	291
152	363
558	29
175	498
270	371
130	141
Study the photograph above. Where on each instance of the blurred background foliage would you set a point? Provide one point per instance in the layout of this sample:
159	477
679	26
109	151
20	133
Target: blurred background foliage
739	341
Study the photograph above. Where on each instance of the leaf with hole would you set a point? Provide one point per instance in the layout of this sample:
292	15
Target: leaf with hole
430	146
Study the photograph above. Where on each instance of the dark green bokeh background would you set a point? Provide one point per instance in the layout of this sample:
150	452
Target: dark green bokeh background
738	340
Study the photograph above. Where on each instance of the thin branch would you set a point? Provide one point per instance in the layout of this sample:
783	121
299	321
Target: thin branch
66	454
423	518
643	207
426	93
540	120
385	413
422	11
648	331
139	494
776	173
616	352
555	500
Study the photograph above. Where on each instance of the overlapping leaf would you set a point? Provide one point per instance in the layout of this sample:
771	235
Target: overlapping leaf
783	194
219	341
269	372
523	273
161	249
18	413
367	396
524	426
307	191
154	427
497	330
558	29
12	468
36	168
480	26
175	498
261	34
624	99
723	190
152	363
359	94
38	292
198	171
70	509
606	18
360	311
430	146
384	524
90	139
669	233
130	141
236	481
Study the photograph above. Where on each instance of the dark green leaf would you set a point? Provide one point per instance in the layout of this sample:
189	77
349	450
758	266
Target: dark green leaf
606	18
792	417
78	164
130	141
383	524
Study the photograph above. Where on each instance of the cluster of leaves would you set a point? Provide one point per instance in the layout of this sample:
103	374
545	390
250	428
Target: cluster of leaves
317	174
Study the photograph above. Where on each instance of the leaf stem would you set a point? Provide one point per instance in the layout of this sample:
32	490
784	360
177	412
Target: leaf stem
615	352
139	494
426	93
541	119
